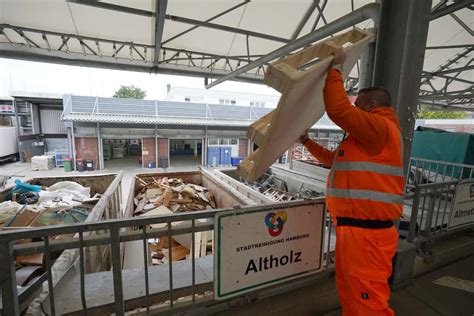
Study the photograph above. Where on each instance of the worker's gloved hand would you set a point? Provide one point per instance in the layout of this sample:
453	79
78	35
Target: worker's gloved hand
339	57
304	137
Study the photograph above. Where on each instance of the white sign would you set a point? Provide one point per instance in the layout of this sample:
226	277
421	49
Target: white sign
463	209
256	249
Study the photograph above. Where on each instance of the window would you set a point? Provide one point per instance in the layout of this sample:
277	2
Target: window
234	141
232	102
213	141
223	141
221	101
251	103
187	99
227	101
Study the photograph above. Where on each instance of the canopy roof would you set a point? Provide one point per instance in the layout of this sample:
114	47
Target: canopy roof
212	38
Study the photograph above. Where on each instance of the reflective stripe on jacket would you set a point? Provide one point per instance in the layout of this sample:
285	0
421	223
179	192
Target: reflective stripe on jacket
367	187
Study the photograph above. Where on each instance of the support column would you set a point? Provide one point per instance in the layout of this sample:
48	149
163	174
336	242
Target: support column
100	148
18	132
73	147
367	67
399	57
205	143
156	145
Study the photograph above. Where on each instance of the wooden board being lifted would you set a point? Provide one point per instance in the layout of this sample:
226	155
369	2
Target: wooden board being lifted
301	104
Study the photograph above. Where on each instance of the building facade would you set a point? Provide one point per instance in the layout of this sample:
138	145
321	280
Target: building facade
193	95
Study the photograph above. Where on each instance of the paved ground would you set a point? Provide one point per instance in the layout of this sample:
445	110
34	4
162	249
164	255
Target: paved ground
448	291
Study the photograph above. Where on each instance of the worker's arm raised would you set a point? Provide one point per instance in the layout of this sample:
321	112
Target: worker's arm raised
368	129
325	156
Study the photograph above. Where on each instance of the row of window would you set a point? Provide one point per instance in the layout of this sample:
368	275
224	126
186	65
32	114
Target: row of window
223	141
258	104
227	101
194	99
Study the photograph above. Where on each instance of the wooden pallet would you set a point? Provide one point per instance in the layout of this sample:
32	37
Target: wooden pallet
300	78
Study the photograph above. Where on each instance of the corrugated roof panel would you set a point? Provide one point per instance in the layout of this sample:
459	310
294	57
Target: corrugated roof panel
181	109
82	104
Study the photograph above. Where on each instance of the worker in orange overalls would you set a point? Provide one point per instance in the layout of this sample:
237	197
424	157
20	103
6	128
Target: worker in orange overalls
364	192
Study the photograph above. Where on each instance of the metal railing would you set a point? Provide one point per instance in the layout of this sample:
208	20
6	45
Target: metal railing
113	233
421	171
431	187
431	214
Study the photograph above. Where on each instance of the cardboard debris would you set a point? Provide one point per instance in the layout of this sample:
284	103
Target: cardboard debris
152	193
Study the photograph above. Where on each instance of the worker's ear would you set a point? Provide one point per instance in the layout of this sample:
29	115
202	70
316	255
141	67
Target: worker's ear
372	105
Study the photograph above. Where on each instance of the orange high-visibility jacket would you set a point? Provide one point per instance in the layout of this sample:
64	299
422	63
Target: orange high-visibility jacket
366	179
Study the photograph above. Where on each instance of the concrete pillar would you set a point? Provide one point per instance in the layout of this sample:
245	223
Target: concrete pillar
399	57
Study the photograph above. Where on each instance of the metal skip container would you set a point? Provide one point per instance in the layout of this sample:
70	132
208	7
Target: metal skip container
106	205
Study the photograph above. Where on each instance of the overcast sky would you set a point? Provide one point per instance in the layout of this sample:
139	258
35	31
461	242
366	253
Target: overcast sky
18	75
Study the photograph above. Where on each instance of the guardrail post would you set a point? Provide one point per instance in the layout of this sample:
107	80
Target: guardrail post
414	214
117	272
8	279
429	216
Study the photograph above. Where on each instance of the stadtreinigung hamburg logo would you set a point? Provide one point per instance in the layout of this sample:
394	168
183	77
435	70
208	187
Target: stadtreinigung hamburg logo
275	222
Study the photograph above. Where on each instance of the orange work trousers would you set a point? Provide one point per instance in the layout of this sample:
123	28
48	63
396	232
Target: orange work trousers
363	266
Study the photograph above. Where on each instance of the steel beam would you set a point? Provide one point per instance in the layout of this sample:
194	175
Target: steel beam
457	92
451	46
305	18
461	22
159	26
225	28
369	11
320	10
448	97
431	75
208	20
113	7
460	69
22	52
450	9
401	42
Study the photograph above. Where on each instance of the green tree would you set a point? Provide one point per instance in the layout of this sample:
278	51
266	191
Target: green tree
441	115
130	92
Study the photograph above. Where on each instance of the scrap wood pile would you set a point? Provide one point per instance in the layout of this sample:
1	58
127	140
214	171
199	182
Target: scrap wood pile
166	196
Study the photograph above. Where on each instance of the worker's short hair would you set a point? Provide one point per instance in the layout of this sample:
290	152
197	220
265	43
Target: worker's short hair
378	94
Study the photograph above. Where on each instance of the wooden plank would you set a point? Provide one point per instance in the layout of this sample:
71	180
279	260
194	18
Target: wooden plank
197	245
203	243
301	104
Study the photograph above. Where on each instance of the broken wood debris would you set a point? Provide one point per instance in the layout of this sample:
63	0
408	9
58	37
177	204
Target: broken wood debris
165	196
173	193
